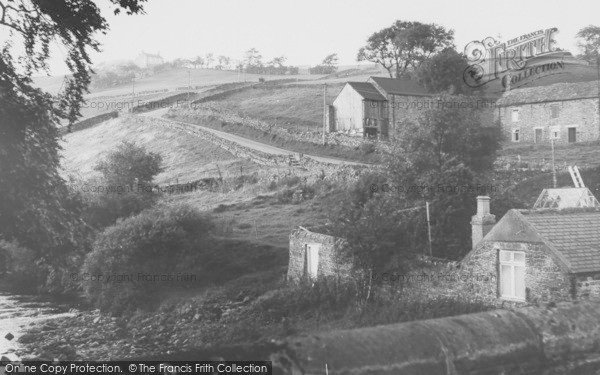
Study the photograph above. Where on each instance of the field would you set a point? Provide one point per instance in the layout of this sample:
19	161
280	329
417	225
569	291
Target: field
297	107
170	79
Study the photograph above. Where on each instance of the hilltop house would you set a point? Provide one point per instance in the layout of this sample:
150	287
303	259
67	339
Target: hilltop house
314	255
551	252
147	60
372	108
565	112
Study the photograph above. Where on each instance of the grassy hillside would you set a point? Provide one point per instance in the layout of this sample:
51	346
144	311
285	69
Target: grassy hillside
185	158
291	106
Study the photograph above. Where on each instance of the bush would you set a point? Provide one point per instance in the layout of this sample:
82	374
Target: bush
160	241
18	264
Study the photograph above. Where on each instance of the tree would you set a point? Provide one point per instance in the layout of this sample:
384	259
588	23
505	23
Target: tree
125	187
253	61
375	231
198	62
327	66
224	62
330	60
444	155
36	207
591	43
443	72
209	60
405	45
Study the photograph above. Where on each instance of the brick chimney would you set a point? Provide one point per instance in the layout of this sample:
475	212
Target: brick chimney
483	221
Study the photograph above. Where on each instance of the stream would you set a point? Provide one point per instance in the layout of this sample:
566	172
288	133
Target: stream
17	313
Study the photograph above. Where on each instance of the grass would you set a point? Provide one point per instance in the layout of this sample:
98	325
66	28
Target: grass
185	158
292	107
584	154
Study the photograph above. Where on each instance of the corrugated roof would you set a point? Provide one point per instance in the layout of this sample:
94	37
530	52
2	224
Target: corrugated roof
367	91
551	93
399	86
574	233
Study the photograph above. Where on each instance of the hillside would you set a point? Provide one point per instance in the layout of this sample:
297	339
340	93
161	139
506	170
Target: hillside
184	158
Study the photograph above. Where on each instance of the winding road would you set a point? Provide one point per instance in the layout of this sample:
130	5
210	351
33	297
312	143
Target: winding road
254	145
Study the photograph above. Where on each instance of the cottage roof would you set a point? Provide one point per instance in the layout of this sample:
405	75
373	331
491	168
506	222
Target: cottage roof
552	93
572	235
400	86
367	91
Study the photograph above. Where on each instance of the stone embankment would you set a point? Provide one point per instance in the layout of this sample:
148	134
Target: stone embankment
555	339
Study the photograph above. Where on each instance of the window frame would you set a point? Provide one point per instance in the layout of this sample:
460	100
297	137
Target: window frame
512	114
513	264
515	133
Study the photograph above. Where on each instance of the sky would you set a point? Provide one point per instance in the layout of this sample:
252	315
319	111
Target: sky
308	30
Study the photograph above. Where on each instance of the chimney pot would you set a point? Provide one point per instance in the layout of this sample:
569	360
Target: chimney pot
483	205
483	221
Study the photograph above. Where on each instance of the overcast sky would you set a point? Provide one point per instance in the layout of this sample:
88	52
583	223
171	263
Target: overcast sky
306	31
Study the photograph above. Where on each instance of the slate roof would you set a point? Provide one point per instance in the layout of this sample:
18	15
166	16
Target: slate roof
551	93
573	233
367	91
398	86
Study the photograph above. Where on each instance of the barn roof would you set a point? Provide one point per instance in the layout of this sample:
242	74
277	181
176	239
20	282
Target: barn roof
572	235
400	86
367	91
552	93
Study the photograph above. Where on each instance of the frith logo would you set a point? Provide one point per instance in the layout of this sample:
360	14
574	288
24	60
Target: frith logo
489	59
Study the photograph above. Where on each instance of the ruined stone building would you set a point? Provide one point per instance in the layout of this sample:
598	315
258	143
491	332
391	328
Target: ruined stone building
314	255
551	252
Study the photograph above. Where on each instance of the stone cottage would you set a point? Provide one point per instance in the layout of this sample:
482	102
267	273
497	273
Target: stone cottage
539	254
565	112
315	255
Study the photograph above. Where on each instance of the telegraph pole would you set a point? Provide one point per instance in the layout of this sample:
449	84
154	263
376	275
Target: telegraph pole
553	165
189	87
598	81
324	111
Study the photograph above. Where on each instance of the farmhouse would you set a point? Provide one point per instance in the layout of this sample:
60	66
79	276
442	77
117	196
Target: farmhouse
372	108
551	252
565	112
314	255
147	60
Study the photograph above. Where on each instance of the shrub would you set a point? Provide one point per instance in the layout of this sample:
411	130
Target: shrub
160	241
22	272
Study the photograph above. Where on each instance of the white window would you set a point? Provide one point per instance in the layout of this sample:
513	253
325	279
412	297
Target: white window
512	275
312	260
515	115
515	135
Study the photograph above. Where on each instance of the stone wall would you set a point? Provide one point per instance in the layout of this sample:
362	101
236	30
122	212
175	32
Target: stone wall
89	122
318	170
580	113
553	339
544	279
331	262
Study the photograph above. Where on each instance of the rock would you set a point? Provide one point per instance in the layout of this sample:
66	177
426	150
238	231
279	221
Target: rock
9	336
27	338
96	320
197	317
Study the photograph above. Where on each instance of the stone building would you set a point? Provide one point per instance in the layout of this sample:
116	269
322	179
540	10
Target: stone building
539	254
147	60
315	255
372	108
565	112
